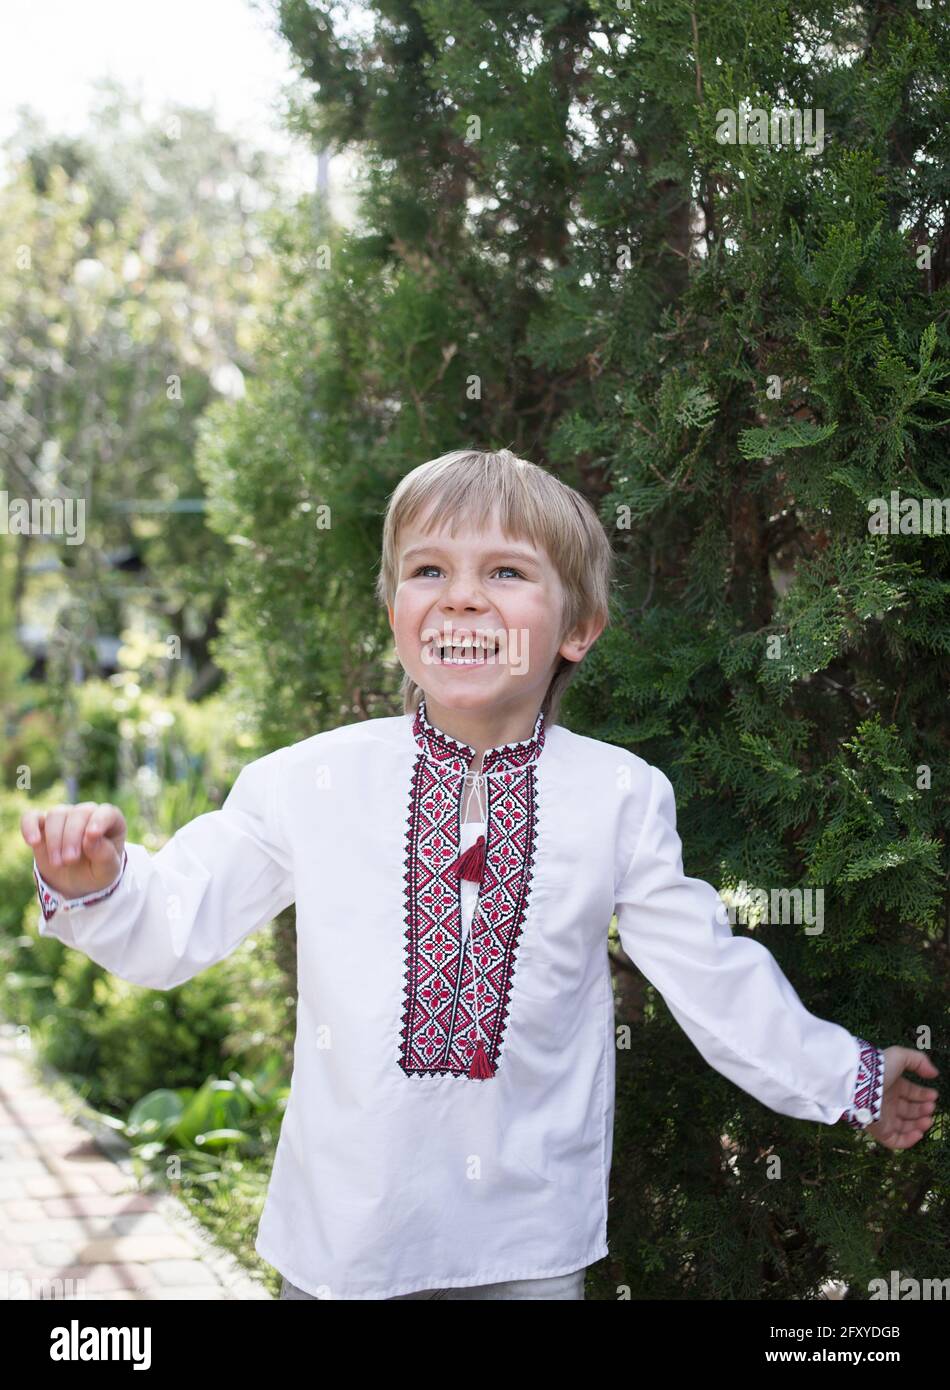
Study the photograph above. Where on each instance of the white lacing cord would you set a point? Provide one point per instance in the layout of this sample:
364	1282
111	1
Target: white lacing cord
479	784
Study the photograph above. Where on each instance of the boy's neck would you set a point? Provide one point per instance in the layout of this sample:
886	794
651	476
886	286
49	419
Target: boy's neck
483	729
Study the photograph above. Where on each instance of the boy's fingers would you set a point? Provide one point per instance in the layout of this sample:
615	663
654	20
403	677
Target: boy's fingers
64	833
75	829
919	1062
909	1090
31	826
55	823
98	831
897	1060
107	819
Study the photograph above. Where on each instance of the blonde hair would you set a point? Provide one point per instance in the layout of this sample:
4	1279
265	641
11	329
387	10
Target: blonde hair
470	485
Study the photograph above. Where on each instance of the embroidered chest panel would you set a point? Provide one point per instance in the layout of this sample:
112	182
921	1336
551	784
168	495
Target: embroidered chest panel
457	985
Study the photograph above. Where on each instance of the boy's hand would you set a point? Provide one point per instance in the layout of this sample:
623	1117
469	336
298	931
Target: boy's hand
77	848
906	1108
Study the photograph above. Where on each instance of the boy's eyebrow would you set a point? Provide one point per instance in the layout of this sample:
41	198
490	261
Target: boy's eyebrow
512	552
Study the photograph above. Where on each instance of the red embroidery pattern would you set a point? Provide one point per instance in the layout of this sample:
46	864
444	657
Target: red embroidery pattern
51	901
441	1026
865	1107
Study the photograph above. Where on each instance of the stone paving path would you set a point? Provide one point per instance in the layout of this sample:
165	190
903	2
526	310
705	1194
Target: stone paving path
74	1222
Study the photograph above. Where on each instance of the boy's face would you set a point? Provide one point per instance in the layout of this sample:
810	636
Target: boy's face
480	584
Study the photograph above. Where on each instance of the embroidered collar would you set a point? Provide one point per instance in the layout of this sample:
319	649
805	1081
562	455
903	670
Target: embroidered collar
457	982
458	756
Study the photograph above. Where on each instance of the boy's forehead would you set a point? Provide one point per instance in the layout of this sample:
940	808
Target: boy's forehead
488	535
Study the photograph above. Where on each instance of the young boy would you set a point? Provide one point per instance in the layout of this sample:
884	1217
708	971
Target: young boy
455	870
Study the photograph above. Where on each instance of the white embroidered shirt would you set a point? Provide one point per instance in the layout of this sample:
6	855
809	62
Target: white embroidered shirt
451	1112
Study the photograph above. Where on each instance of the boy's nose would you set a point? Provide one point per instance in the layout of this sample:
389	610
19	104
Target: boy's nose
462	595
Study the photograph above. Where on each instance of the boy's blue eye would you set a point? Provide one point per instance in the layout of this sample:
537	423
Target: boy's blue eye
500	567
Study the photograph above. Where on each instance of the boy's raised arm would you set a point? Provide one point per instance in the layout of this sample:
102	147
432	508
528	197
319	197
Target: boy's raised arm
729	994
169	915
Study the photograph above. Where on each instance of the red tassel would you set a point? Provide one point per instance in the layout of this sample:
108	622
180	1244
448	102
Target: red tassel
471	864
481	1068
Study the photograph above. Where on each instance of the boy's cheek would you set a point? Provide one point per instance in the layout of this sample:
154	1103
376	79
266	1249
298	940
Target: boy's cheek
516	653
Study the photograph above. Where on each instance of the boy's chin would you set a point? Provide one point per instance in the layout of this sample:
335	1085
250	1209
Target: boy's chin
463	694
476	677
459	692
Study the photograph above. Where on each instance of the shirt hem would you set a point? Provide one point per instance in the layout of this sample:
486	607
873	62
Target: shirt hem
598	1253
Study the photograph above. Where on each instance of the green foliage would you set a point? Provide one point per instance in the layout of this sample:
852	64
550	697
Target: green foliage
132	267
218	1115
17	885
733	349
117	1040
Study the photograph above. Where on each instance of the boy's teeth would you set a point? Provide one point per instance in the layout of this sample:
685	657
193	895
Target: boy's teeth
466	651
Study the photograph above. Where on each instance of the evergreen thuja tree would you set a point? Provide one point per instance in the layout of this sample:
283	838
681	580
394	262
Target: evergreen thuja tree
782	654
570	245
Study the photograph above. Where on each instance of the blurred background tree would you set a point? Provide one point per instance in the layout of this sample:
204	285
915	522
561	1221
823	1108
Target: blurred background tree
133	262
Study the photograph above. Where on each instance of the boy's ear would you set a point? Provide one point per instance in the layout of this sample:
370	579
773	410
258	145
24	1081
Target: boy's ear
577	642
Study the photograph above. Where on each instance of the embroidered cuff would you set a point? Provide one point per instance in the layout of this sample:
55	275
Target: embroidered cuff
51	900
865	1106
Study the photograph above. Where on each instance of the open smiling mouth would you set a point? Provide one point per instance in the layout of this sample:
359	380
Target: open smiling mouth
464	654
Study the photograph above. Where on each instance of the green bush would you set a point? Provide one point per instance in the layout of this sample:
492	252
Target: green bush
17	884
33	744
115	1040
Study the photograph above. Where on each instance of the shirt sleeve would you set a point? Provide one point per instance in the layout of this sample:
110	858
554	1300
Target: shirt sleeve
728	993
51	900
171	914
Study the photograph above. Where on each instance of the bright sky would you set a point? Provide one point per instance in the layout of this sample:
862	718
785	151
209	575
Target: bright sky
221	54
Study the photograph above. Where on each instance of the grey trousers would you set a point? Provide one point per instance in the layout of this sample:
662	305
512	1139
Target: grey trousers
561	1286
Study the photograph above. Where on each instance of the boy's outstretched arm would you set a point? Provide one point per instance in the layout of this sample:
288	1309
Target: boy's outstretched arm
733	1001
166	916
